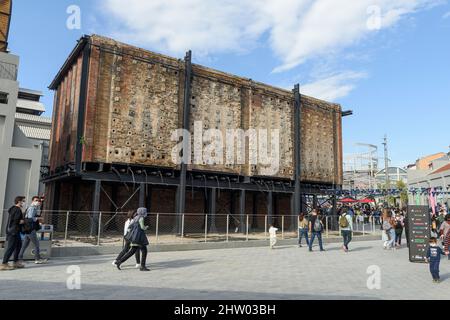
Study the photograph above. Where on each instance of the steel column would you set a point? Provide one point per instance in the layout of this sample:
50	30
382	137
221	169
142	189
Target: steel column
242	211
82	106
142	195
181	190
96	207
270	206
297	149
212	209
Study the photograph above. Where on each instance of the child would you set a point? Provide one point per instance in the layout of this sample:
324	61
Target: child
434	258
273	236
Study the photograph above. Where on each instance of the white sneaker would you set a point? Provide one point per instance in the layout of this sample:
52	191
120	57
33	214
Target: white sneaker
138	266
114	263
42	261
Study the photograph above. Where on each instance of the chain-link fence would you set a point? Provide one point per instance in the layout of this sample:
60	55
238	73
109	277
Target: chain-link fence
74	228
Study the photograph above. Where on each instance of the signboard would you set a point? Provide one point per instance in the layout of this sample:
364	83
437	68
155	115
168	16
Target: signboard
419	222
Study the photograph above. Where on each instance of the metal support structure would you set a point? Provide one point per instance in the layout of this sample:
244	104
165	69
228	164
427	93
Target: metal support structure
282	227
315	202
181	190
297	152
206	227
82	107
99	229
212	209
157	228
142	195
242	211
246	236
67	228
270	206
228	226
95	207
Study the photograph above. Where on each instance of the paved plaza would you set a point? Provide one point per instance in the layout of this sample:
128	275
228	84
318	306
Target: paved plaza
287	272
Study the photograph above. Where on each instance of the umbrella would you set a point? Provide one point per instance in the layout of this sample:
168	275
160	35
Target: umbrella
367	200
348	200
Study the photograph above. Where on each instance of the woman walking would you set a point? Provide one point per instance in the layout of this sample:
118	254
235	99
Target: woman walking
388	233
399	226
137	238
127	243
303	230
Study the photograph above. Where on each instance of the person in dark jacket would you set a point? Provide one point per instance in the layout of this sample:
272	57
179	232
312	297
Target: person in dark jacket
127	243
138	241
434	259
13	228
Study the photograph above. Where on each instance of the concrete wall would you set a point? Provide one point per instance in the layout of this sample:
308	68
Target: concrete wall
20	158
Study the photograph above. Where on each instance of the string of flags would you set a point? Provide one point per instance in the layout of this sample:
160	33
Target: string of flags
437	191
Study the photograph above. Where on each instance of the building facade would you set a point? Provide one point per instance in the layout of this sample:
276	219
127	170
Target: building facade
21	147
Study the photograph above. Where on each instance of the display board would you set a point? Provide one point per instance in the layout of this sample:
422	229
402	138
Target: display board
419	222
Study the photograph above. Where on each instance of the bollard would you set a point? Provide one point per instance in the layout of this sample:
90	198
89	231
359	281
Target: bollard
282	227
157	228
67	229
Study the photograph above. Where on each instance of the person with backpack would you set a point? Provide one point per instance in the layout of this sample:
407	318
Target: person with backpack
303	230
315	228
138	239
346	226
399	226
127	243
32	224
13	228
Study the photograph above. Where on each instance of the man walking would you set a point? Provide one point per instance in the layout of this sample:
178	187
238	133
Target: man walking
346	225
15	220
32	223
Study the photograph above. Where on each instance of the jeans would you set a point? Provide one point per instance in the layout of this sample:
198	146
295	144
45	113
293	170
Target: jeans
32	237
303	233
347	235
14	246
434	269
398	236
133	251
126	248
313	236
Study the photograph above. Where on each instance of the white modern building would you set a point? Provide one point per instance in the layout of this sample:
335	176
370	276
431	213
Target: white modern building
24	137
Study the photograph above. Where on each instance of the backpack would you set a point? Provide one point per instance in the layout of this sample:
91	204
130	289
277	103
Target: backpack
317	225
343	222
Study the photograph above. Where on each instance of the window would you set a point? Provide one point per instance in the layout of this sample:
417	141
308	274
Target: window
3	98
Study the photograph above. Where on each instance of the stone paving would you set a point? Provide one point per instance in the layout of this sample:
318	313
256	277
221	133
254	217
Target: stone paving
287	272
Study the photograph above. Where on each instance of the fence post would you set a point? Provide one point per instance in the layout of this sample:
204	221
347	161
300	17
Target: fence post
206	227
66	229
99	228
182	226
247	229
326	226
265	227
157	228
363	229
282	227
228	225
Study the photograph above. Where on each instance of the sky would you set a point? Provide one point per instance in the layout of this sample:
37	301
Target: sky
387	60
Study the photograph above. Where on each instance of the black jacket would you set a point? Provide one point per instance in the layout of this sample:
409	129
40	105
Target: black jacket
13	226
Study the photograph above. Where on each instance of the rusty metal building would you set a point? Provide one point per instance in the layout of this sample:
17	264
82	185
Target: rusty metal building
115	109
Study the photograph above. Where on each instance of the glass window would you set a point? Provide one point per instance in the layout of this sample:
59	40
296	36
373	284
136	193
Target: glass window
3	98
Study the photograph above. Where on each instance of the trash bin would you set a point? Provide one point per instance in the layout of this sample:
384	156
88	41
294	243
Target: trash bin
45	237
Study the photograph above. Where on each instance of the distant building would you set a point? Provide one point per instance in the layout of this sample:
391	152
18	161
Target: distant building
395	174
24	137
435	173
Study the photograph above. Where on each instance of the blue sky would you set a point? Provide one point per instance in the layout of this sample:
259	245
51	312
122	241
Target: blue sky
390	65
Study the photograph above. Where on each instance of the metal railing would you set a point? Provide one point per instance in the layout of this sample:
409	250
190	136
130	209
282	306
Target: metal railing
80	228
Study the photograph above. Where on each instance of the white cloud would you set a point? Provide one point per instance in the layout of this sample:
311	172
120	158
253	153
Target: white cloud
447	15
333	86
297	30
